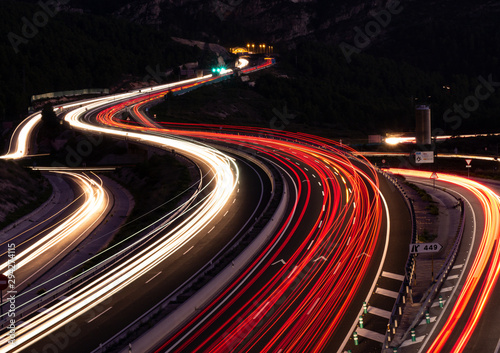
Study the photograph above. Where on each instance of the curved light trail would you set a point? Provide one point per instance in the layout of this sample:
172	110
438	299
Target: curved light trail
335	235
485	269
300	307
225	178
18	147
73	227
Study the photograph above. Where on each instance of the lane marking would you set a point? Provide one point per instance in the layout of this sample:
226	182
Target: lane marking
374	336
423	322
185	252
387	293
379	271
225	213
277	262
95	317
310	244
379	312
447	289
321	258
149	280
497	347
437	303
409	342
211	229
320	223
312	307
336	268
260	311
393	276
234	200
291	273
457	266
453	277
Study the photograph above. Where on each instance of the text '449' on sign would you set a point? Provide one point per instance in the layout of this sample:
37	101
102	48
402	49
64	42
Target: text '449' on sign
425	248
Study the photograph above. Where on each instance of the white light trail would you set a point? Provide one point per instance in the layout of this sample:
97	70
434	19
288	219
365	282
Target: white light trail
133	267
21	143
78	223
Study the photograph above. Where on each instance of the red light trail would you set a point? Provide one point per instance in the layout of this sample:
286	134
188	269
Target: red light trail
485	269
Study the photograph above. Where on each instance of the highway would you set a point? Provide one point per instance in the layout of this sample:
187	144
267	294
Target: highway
300	293
327	227
220	181
165	276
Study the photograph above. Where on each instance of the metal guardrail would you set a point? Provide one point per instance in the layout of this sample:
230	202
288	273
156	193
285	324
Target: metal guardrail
432	291
73	93
405	289
53	294
114	342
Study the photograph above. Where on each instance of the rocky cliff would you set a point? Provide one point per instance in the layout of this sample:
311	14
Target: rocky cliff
287	20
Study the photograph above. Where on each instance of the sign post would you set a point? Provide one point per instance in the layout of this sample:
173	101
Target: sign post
426	248
468	166
434	176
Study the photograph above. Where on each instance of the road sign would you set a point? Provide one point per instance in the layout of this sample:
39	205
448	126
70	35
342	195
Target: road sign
424	157
468	161
434	175
4	282
425	248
